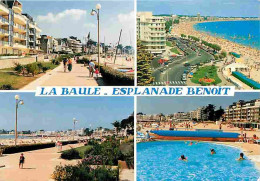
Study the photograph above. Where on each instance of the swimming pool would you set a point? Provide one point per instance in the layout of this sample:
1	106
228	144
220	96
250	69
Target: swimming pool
158	160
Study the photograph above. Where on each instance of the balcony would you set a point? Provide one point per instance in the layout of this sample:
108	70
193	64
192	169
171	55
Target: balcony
20	45
31	40
19	36
19	28
3	21
20	19
3	9
3	32
17	8
4	43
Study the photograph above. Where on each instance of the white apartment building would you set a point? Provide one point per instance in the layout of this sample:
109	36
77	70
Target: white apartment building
151	32
19	33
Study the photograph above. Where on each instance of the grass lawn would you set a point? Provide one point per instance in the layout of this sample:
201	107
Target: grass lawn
168	43
210	71
175	50
9	77
82	150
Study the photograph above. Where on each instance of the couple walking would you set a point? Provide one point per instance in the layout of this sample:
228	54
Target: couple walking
67	62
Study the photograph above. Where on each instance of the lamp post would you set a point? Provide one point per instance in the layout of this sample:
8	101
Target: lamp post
18	101
93	12
74	122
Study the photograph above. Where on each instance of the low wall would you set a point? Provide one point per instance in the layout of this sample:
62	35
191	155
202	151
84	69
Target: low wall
8	63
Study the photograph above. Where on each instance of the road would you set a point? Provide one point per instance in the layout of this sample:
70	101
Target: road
175	69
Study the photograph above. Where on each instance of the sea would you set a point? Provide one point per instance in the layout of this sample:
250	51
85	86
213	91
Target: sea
7	136
243	32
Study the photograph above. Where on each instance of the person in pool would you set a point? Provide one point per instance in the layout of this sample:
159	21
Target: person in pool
241	157
212	151
183	158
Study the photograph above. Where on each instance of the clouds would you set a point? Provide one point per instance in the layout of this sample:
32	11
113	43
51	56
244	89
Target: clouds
90	25
74	14
126	18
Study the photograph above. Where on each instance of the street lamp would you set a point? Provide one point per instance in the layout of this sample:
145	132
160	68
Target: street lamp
18	101
93	12
74	122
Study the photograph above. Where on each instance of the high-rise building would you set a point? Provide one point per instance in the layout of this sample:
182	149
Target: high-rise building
240	111
198	16
19	33
75	44
151	32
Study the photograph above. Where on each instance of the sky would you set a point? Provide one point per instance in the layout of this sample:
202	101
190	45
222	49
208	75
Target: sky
57	113
240	8
170	105
62	19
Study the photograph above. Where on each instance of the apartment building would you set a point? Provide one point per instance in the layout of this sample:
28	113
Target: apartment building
19	33
75	44
243	111
151	32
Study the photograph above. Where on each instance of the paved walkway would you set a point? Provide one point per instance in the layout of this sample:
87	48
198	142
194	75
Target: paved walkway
79	76
126	175
38	166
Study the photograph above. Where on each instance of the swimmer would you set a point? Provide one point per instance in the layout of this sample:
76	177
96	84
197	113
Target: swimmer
183	158
212	151
190	143
241	157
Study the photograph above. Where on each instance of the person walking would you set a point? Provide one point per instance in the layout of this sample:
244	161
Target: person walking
91	68
21	161
70	65
65	60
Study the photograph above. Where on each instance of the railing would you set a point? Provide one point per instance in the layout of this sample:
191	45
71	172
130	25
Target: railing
2	43
2	19
3	31
19	26
20	36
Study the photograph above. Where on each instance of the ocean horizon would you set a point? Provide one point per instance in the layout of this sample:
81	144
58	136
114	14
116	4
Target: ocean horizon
242	32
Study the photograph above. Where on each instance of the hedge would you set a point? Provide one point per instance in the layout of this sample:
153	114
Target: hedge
114	77
30	147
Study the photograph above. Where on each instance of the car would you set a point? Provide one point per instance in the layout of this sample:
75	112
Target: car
199	54
184	78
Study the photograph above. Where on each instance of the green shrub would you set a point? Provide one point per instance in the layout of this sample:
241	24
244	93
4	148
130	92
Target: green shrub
114	77
70	154
82	171
32	69
18	68
6	87
45	68
30	147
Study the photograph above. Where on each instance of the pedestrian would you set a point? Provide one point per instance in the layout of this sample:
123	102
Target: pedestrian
70	65
91	68
96	72
65	61
21	161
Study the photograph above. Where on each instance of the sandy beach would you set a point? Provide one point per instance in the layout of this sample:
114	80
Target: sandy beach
248	54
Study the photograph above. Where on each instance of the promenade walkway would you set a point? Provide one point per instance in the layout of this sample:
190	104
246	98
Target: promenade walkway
79	76
38	166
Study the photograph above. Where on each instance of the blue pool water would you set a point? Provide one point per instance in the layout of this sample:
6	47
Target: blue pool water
159	160
242	32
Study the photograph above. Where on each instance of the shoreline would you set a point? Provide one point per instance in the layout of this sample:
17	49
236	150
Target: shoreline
249	54
210	33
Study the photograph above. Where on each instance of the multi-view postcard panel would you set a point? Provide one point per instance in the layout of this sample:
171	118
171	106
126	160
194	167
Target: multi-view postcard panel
190	44
199	138
66	43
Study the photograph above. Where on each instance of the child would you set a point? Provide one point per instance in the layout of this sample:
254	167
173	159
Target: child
21	161
96	72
